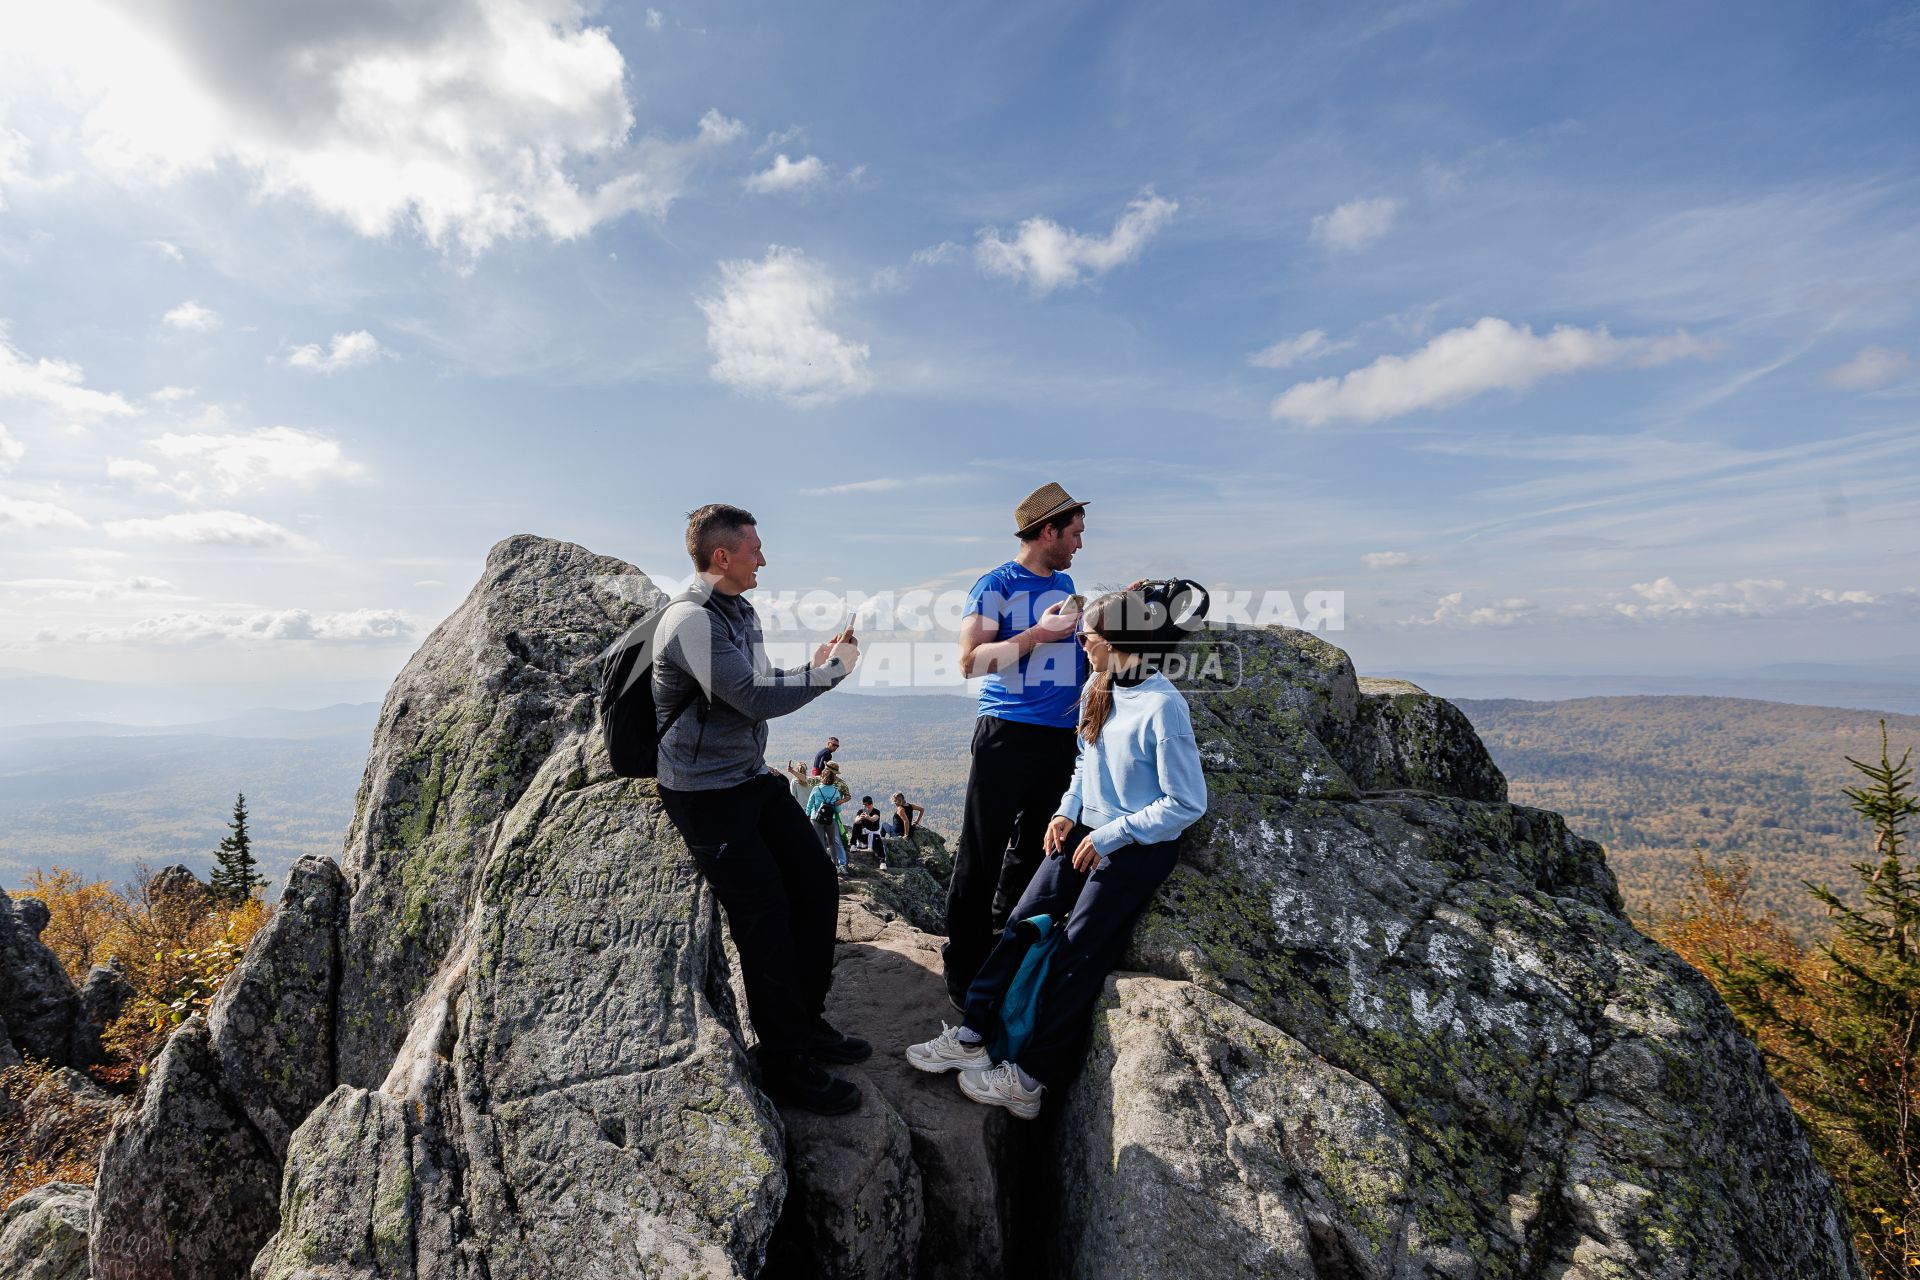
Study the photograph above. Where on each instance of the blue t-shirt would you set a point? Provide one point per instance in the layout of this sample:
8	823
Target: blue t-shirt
1045	687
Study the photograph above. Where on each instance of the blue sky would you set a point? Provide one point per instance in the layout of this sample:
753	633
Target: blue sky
1557	337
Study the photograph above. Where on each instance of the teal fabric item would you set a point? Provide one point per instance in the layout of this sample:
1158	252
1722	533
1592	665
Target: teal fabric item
1020	1006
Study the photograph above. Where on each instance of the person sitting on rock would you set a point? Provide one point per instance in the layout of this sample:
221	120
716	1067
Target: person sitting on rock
906	817
1113	840
742	829
865	830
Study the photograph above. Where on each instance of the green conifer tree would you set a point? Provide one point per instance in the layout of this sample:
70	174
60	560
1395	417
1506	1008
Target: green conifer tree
235	872
1842	1031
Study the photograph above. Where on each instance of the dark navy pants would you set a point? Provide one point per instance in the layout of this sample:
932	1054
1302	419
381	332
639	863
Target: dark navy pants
1018	774
1100	908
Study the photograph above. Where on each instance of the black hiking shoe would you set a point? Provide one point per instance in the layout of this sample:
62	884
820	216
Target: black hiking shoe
829	1045
804	1084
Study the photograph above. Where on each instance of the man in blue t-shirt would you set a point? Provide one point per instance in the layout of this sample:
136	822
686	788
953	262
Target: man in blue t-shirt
1018	633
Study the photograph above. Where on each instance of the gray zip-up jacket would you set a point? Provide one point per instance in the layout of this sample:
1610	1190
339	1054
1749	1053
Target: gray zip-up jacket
718	648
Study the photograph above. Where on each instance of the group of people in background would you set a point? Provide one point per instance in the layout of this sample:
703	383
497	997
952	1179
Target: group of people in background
1084	774
823	794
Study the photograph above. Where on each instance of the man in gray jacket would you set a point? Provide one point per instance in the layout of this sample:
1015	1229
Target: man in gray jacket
747	836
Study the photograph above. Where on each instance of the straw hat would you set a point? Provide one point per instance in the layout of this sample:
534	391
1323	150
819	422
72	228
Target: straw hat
1043	504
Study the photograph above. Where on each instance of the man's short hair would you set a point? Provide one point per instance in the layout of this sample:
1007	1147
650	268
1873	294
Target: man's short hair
1059	522
866	799
714	526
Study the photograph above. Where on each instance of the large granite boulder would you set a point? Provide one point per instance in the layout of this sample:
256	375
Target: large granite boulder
43	1234
572	1098
1561	1091
463	730
38	1006
189	1184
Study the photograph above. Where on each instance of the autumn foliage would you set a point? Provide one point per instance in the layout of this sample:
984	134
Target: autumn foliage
1840	1022
176	942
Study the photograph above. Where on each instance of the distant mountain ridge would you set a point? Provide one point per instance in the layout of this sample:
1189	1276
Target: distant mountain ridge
1633	772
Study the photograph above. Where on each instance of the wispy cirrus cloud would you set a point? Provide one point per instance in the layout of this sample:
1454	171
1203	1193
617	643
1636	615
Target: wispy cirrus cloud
1456	366
1299	349
1049	256
204	528
1873	368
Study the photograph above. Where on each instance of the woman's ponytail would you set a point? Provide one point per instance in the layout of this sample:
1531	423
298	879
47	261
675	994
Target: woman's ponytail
1096	704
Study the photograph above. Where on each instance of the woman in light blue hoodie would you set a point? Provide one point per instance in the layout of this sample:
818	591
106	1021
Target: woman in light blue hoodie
1112	842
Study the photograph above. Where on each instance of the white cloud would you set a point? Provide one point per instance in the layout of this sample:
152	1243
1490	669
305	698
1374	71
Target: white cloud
167	249
854	486
1356	224
768	334
169	395
88	588
347	351
1463	363
191	315
1663	598
204	528
19	513
788	175
1048	256
1872	369
13	152
655	20
11	450
361	626
238	461
1288	352
1454	611
55	383
468	120
148	477
252	459
1386	559
945	251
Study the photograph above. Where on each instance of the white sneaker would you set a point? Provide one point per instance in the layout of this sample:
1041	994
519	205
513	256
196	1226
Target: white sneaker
946	1052
1001	1087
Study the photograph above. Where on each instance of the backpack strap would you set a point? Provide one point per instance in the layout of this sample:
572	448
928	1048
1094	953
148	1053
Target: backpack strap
700	695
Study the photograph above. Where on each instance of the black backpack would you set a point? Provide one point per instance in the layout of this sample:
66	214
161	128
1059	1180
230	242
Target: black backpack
628	716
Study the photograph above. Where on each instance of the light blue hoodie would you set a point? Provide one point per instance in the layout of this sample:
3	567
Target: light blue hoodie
1140	781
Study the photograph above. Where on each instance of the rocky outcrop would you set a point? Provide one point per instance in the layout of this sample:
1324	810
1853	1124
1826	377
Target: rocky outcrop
1380	1023
105	993
1538	1085
38	1005
43	1234
463	730
189	1184
571	1099
182	1192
